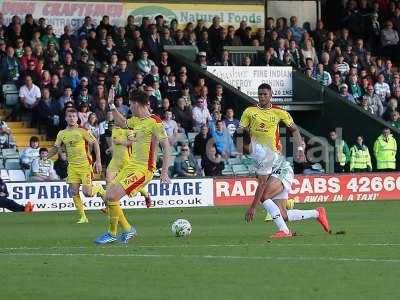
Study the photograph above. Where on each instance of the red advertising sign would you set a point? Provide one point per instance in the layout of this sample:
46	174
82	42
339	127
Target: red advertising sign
326	188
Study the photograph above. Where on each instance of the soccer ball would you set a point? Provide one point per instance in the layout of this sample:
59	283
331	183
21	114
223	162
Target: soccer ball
181	227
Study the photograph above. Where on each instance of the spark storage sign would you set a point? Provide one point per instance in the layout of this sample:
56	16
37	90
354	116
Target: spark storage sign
247	79
383	186
185	12
61	13
54	196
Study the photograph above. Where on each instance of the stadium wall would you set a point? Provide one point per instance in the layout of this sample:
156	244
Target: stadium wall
198	192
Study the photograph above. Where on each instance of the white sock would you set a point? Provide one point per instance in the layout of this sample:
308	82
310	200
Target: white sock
298	215
273	209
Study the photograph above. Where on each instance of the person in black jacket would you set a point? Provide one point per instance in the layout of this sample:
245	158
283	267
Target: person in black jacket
11	204
201	140
61	165
212	162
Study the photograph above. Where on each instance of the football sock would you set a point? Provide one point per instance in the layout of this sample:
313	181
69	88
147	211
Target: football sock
97	189
273	209
298	215
114	211
124	222
79	206
144	193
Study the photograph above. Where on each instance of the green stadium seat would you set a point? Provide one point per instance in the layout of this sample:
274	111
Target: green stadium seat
16	175
10	153
12	164
240	170
227	171
234	161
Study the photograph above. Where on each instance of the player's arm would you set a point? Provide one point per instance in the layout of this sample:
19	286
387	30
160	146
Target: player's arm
97	163
57	146
257	198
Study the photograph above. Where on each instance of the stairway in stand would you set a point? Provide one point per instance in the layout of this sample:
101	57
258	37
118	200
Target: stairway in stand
22	134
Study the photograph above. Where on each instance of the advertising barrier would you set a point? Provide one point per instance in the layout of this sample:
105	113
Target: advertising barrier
61	13
54	196
326	188
189	12
247	79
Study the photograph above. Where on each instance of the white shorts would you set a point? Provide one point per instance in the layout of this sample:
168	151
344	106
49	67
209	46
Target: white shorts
285	175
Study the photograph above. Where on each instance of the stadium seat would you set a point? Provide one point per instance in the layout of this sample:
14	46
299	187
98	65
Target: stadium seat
10	94
181	137
240	170
227	171
191	137
16	175
4	175
9	153
234	161
12	164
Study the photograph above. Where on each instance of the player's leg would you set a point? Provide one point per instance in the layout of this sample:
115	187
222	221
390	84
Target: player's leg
274	187
74	190
289	205
14	206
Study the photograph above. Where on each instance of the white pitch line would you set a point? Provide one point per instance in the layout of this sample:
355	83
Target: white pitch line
271	244
222	257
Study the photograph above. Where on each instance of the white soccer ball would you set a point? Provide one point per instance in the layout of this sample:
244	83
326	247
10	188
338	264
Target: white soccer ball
181	227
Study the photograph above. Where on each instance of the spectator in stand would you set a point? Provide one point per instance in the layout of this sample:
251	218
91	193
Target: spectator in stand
223	140
171	89
171	127
364	104
297	32
230	122
92	125
144	63
183	115
9	204
360	159
392	106
390	41
212	163
42	167
308	51
385	150
354	88
341	153
344	92
84	113
49	114
374	101
323	77
395	119
224	60
121	107
29	96
29	154
201	141
185	165
201	115
101	110
6	139
214	32
10	69
342	66
336	82
165	106
202	59
61	165
382	89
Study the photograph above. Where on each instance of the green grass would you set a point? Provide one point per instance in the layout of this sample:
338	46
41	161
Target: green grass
46	256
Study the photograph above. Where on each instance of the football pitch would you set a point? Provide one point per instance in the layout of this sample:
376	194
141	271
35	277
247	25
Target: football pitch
46	256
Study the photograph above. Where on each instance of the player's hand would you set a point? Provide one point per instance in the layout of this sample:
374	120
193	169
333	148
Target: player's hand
111	96
165	178
251	212
97	166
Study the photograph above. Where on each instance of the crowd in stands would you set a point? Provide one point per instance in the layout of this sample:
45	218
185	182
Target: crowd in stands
77	69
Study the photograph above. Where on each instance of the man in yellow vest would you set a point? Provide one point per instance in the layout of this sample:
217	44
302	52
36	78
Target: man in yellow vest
341	154
385	149
360	160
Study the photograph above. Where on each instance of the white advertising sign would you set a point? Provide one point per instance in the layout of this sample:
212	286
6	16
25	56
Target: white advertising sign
61	13
247	79
54	196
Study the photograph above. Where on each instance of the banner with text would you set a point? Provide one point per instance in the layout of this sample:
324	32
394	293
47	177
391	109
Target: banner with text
189	12
247	79
54	196
327	188
61	13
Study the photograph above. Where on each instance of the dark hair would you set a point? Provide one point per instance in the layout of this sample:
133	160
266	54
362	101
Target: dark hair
71	110
139	97
43	150
33	139
264	86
